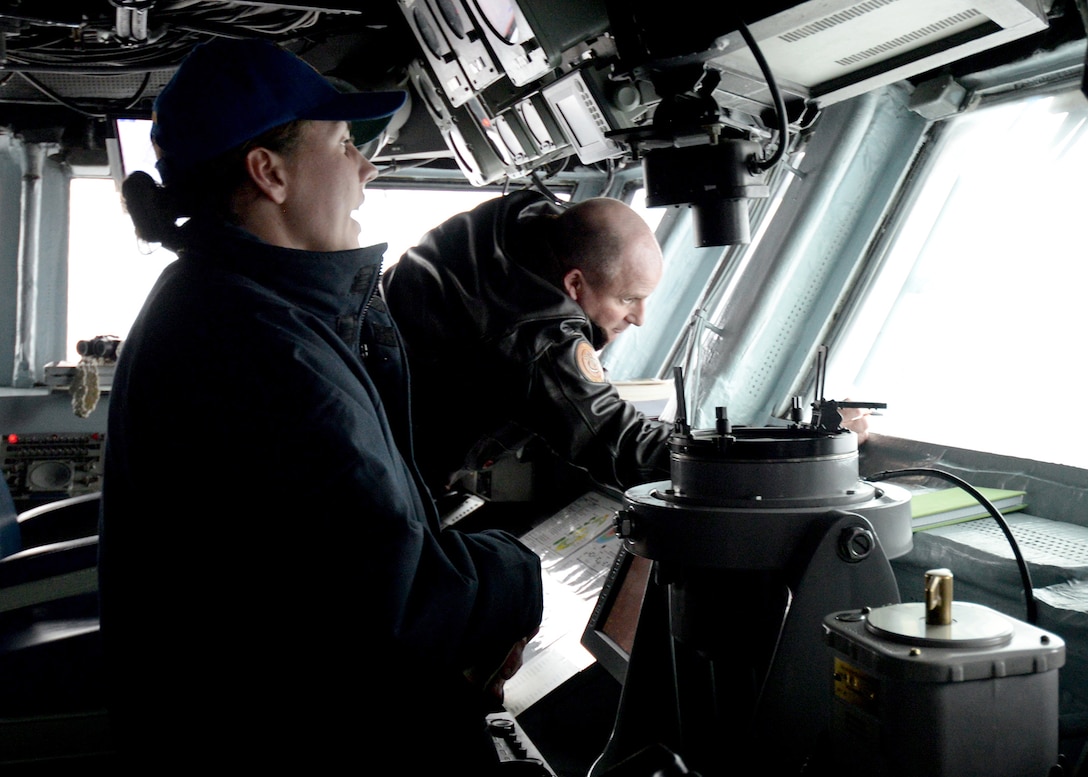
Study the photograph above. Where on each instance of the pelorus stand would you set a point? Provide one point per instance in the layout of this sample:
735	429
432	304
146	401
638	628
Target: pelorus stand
760	533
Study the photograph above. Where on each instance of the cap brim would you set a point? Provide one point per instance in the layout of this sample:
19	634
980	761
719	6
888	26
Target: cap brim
367	112
362	132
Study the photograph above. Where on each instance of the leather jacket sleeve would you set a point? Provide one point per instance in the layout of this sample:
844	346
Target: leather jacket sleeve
583	418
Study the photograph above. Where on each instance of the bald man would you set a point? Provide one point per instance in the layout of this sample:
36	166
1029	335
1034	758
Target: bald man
502	310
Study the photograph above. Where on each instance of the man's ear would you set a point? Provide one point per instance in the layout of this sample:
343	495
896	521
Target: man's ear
574	283
265	169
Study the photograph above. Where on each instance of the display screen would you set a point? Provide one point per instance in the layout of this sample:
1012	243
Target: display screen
610	634
579	121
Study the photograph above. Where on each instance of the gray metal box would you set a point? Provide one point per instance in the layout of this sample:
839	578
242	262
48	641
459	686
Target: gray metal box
977	697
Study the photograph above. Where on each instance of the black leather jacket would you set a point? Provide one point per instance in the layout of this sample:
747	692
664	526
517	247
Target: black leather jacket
494	347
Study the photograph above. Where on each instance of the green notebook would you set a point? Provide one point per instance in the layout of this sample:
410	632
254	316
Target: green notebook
954	505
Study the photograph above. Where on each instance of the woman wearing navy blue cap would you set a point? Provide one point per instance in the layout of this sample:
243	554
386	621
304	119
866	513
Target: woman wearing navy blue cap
275	589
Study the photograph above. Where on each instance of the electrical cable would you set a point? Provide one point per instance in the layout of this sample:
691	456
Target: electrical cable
395	166
59	99
41	50
541	187
1025	575
610	174
776	95
139	92
181	25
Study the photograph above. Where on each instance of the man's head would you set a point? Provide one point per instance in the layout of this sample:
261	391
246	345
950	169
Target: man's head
611	262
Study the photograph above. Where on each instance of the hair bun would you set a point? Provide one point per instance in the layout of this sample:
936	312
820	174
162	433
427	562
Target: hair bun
147	204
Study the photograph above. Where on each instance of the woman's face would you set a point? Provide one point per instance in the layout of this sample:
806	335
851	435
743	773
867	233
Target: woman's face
326	177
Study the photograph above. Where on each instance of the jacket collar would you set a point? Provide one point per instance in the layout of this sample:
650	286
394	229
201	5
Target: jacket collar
329	282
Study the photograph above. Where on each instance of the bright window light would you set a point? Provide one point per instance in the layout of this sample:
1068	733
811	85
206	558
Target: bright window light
971	333
109	277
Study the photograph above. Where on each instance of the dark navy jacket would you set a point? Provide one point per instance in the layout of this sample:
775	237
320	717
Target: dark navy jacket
494	345
273	578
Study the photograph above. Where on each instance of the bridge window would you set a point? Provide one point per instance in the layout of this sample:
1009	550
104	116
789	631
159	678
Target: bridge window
110	275
972	331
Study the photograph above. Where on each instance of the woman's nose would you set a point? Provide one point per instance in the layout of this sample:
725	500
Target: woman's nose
367	171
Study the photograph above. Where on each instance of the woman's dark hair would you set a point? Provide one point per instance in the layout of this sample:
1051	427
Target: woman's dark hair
205	191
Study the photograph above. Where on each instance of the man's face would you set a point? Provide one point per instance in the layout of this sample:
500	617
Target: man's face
615	305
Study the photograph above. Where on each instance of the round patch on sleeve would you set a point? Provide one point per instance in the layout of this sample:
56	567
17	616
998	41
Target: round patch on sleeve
588	363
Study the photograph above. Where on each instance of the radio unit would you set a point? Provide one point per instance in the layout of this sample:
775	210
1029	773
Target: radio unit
44	467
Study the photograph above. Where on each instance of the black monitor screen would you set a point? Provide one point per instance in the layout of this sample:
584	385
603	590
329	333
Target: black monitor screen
610	633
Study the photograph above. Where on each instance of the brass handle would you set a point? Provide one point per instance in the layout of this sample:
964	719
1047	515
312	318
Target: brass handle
939	597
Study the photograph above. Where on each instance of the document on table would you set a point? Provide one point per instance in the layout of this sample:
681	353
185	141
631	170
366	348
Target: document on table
576	547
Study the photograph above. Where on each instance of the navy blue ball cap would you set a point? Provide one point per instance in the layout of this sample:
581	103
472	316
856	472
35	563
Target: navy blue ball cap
228	91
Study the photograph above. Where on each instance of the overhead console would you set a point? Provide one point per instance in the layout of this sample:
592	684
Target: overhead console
517	85
480	73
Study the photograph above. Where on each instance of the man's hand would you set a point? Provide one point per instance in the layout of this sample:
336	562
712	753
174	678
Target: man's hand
856	419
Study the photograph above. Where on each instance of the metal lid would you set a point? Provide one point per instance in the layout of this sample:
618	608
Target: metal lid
972	626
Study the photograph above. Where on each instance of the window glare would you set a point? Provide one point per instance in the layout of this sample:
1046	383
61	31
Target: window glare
652	216
400	217
110	276
970	332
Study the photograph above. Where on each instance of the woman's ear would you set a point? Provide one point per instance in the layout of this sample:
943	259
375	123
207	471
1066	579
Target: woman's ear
574	283
265	169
